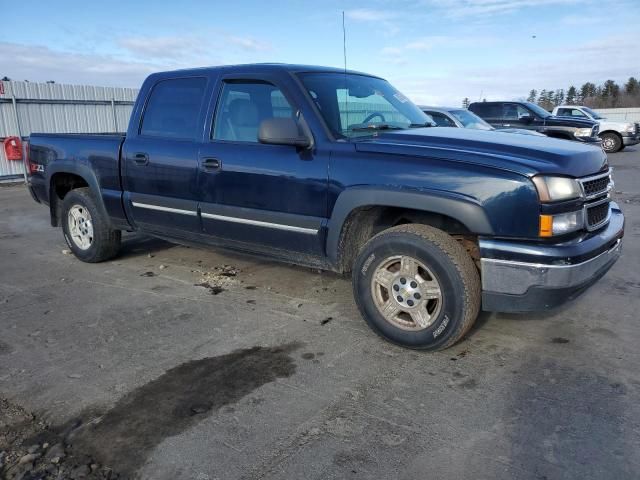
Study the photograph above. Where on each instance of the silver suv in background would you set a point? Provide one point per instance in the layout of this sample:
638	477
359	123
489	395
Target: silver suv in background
463	118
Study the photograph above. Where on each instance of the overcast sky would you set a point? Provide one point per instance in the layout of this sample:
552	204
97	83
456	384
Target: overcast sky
435	51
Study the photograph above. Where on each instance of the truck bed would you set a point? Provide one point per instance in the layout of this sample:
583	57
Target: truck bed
92	157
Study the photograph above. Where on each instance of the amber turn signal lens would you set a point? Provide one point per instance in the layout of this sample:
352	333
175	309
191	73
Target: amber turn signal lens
546	226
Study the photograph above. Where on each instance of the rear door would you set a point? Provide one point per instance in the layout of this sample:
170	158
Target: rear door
489	112
160	160
252	193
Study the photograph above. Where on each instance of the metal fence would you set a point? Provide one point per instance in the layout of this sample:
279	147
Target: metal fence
27	107
620	114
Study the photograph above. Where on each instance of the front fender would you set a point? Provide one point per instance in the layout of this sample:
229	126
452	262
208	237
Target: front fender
463	209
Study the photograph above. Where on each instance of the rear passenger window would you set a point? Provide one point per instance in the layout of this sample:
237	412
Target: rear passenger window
173	109
487	110
242	107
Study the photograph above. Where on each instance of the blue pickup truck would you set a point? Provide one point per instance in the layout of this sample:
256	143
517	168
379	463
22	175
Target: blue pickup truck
338	170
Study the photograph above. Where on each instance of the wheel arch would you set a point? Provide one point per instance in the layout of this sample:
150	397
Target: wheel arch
360	213
64	178
610	131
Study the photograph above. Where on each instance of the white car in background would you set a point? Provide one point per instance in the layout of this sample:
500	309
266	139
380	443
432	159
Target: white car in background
615	135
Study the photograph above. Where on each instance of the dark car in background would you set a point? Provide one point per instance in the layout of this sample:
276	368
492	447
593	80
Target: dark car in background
463	118
529	116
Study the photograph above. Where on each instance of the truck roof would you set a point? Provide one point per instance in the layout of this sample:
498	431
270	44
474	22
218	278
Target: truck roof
492	102
261	67
439	109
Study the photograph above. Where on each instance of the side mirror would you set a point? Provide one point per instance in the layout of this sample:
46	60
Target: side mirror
526	118
282	131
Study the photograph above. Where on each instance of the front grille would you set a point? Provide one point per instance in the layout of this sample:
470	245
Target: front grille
596	185
597	215
637	128
595	130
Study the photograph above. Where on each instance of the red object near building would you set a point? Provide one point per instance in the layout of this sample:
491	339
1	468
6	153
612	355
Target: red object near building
13	148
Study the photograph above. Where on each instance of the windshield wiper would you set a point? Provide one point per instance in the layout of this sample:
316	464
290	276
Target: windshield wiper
376	126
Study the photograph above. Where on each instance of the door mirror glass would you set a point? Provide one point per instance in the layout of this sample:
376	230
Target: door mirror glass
282	131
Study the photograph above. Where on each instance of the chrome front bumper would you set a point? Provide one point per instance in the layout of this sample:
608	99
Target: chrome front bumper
631	140
520	277
516	278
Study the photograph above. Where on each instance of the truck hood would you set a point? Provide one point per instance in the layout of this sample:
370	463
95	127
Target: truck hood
524	154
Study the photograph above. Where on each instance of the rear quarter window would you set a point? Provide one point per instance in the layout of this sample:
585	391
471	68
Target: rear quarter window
487	110
173	108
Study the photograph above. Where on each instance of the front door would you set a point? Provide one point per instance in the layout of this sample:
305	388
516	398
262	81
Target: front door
252	193
161	162
518	116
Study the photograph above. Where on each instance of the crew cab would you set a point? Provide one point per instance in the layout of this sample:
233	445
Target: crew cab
340	171
530	116
614	135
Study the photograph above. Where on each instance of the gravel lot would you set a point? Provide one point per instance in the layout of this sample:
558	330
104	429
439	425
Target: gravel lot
173	362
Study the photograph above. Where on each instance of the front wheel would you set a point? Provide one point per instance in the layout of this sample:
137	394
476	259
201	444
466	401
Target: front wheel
611	142
417	287
86	229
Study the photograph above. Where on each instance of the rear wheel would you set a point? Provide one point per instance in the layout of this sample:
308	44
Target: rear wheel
417	287
611	142
86	229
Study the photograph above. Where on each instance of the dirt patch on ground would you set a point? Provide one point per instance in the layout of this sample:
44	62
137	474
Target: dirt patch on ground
218	280
115	443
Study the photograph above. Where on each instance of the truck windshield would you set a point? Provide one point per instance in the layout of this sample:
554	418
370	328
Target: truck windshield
470	120
593	114
358	105
538	110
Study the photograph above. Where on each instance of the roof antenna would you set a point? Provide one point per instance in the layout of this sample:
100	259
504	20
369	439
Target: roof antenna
346	87
344	43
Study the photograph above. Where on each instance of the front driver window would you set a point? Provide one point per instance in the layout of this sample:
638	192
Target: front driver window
514	111
243	106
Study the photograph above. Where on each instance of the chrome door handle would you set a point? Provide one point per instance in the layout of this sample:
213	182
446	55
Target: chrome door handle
211	164
141	158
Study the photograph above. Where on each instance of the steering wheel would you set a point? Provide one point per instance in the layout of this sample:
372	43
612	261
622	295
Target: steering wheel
374	115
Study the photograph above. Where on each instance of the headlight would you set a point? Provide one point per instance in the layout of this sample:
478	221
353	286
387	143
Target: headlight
551	225
583	132
554	189
631	128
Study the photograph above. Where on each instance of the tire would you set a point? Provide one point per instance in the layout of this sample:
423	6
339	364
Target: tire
86	229
443	266
611	142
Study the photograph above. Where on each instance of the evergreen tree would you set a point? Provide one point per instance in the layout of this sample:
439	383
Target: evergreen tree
542	98
466	102
558	97
632	87
587	90
572	95
533	95
610	89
